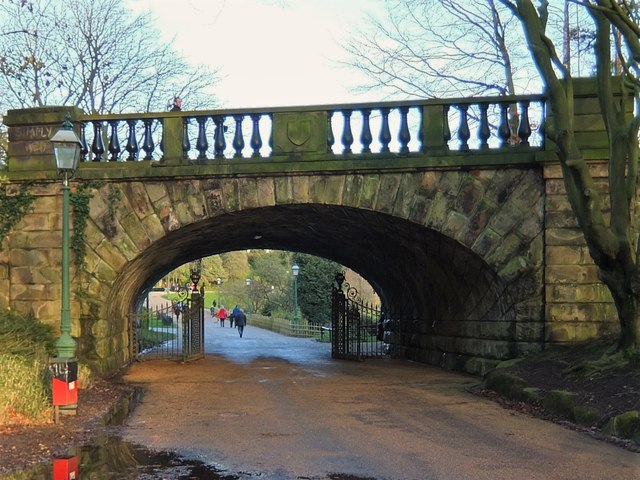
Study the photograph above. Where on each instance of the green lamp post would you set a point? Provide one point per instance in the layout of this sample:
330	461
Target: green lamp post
66	148
295	269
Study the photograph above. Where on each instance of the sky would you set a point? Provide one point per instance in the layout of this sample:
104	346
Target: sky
268	52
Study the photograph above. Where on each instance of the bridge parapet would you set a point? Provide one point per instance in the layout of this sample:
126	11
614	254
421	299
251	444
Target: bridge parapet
385	134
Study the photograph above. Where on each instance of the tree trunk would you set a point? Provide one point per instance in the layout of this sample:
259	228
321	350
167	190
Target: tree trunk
624	286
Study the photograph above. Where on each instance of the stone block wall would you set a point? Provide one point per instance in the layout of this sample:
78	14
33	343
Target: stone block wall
578	306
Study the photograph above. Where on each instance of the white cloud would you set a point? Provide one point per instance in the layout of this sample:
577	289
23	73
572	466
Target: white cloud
270	53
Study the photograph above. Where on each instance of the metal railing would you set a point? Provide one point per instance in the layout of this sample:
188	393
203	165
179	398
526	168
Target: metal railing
157	333
289	328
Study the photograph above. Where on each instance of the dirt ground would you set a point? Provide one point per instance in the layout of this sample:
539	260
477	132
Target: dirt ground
22	447
616	391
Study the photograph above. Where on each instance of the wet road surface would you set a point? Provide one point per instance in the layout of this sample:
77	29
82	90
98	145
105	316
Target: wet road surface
272	407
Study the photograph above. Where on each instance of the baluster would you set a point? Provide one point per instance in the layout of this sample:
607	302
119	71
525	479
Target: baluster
271	134
97	147
132	141
330	138
202	145
114	142
446	130
238	139
504	131
542	127
524	130
365	137
84	150
385	133
186	143
161	146
219	141
147	144
463	129
404	136
347	135
484	132
421	132
256	141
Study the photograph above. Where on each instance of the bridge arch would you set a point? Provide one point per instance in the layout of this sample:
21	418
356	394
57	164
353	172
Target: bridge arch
475	241
405	233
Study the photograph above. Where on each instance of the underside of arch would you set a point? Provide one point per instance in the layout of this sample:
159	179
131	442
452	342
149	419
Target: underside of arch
456	309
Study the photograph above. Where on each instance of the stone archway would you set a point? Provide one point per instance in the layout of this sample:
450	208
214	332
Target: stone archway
456	303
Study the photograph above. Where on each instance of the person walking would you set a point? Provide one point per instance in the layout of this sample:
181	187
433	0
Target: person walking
234	312
241	321
222	315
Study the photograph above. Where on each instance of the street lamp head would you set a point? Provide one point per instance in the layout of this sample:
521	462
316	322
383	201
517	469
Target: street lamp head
295	269
195	271
218	281
66	148
247	282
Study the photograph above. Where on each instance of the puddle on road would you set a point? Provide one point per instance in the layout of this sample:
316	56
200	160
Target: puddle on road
112	458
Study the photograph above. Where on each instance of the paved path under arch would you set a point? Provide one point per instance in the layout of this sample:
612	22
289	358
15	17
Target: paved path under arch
283	408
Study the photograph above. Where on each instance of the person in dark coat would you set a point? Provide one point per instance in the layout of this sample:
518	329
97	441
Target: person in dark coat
232	316
241	321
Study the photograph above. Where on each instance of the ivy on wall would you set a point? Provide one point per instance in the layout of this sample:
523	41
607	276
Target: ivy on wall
13	206
80	203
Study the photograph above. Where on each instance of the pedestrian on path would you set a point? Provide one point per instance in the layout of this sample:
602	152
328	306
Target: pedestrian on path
234	314
241	321
222	315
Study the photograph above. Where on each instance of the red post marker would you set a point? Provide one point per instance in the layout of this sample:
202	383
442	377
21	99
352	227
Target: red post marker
65	468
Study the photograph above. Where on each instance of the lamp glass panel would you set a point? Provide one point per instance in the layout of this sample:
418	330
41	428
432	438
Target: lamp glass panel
67	155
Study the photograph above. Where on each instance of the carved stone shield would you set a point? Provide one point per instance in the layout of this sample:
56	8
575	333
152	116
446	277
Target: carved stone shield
299	131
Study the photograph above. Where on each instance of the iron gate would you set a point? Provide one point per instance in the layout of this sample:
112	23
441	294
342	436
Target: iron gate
173	330
193	327
359	330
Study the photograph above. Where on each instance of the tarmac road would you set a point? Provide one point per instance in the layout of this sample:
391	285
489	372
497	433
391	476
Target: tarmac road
271	407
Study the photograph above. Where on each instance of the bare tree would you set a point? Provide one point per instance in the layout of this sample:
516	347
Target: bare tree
442	48
612	243
95	55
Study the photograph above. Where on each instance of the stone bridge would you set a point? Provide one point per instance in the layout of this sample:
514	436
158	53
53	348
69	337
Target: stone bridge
453	211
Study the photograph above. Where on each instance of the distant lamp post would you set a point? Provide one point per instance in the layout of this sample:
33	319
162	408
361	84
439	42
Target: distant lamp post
66	148
248	283
218	282
295	269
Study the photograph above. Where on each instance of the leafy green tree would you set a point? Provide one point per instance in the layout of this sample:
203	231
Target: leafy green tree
212	268
270	267
608	228
314	287
236	265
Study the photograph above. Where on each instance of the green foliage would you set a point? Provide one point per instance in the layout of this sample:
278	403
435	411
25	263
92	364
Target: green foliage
24	335
26	345
211	269
13	207
270	267
24	389
236	265
80	203
314	287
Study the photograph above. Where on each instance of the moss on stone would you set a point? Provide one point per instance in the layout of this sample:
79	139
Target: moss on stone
560	402
625	425
586	415
531	394
506	384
